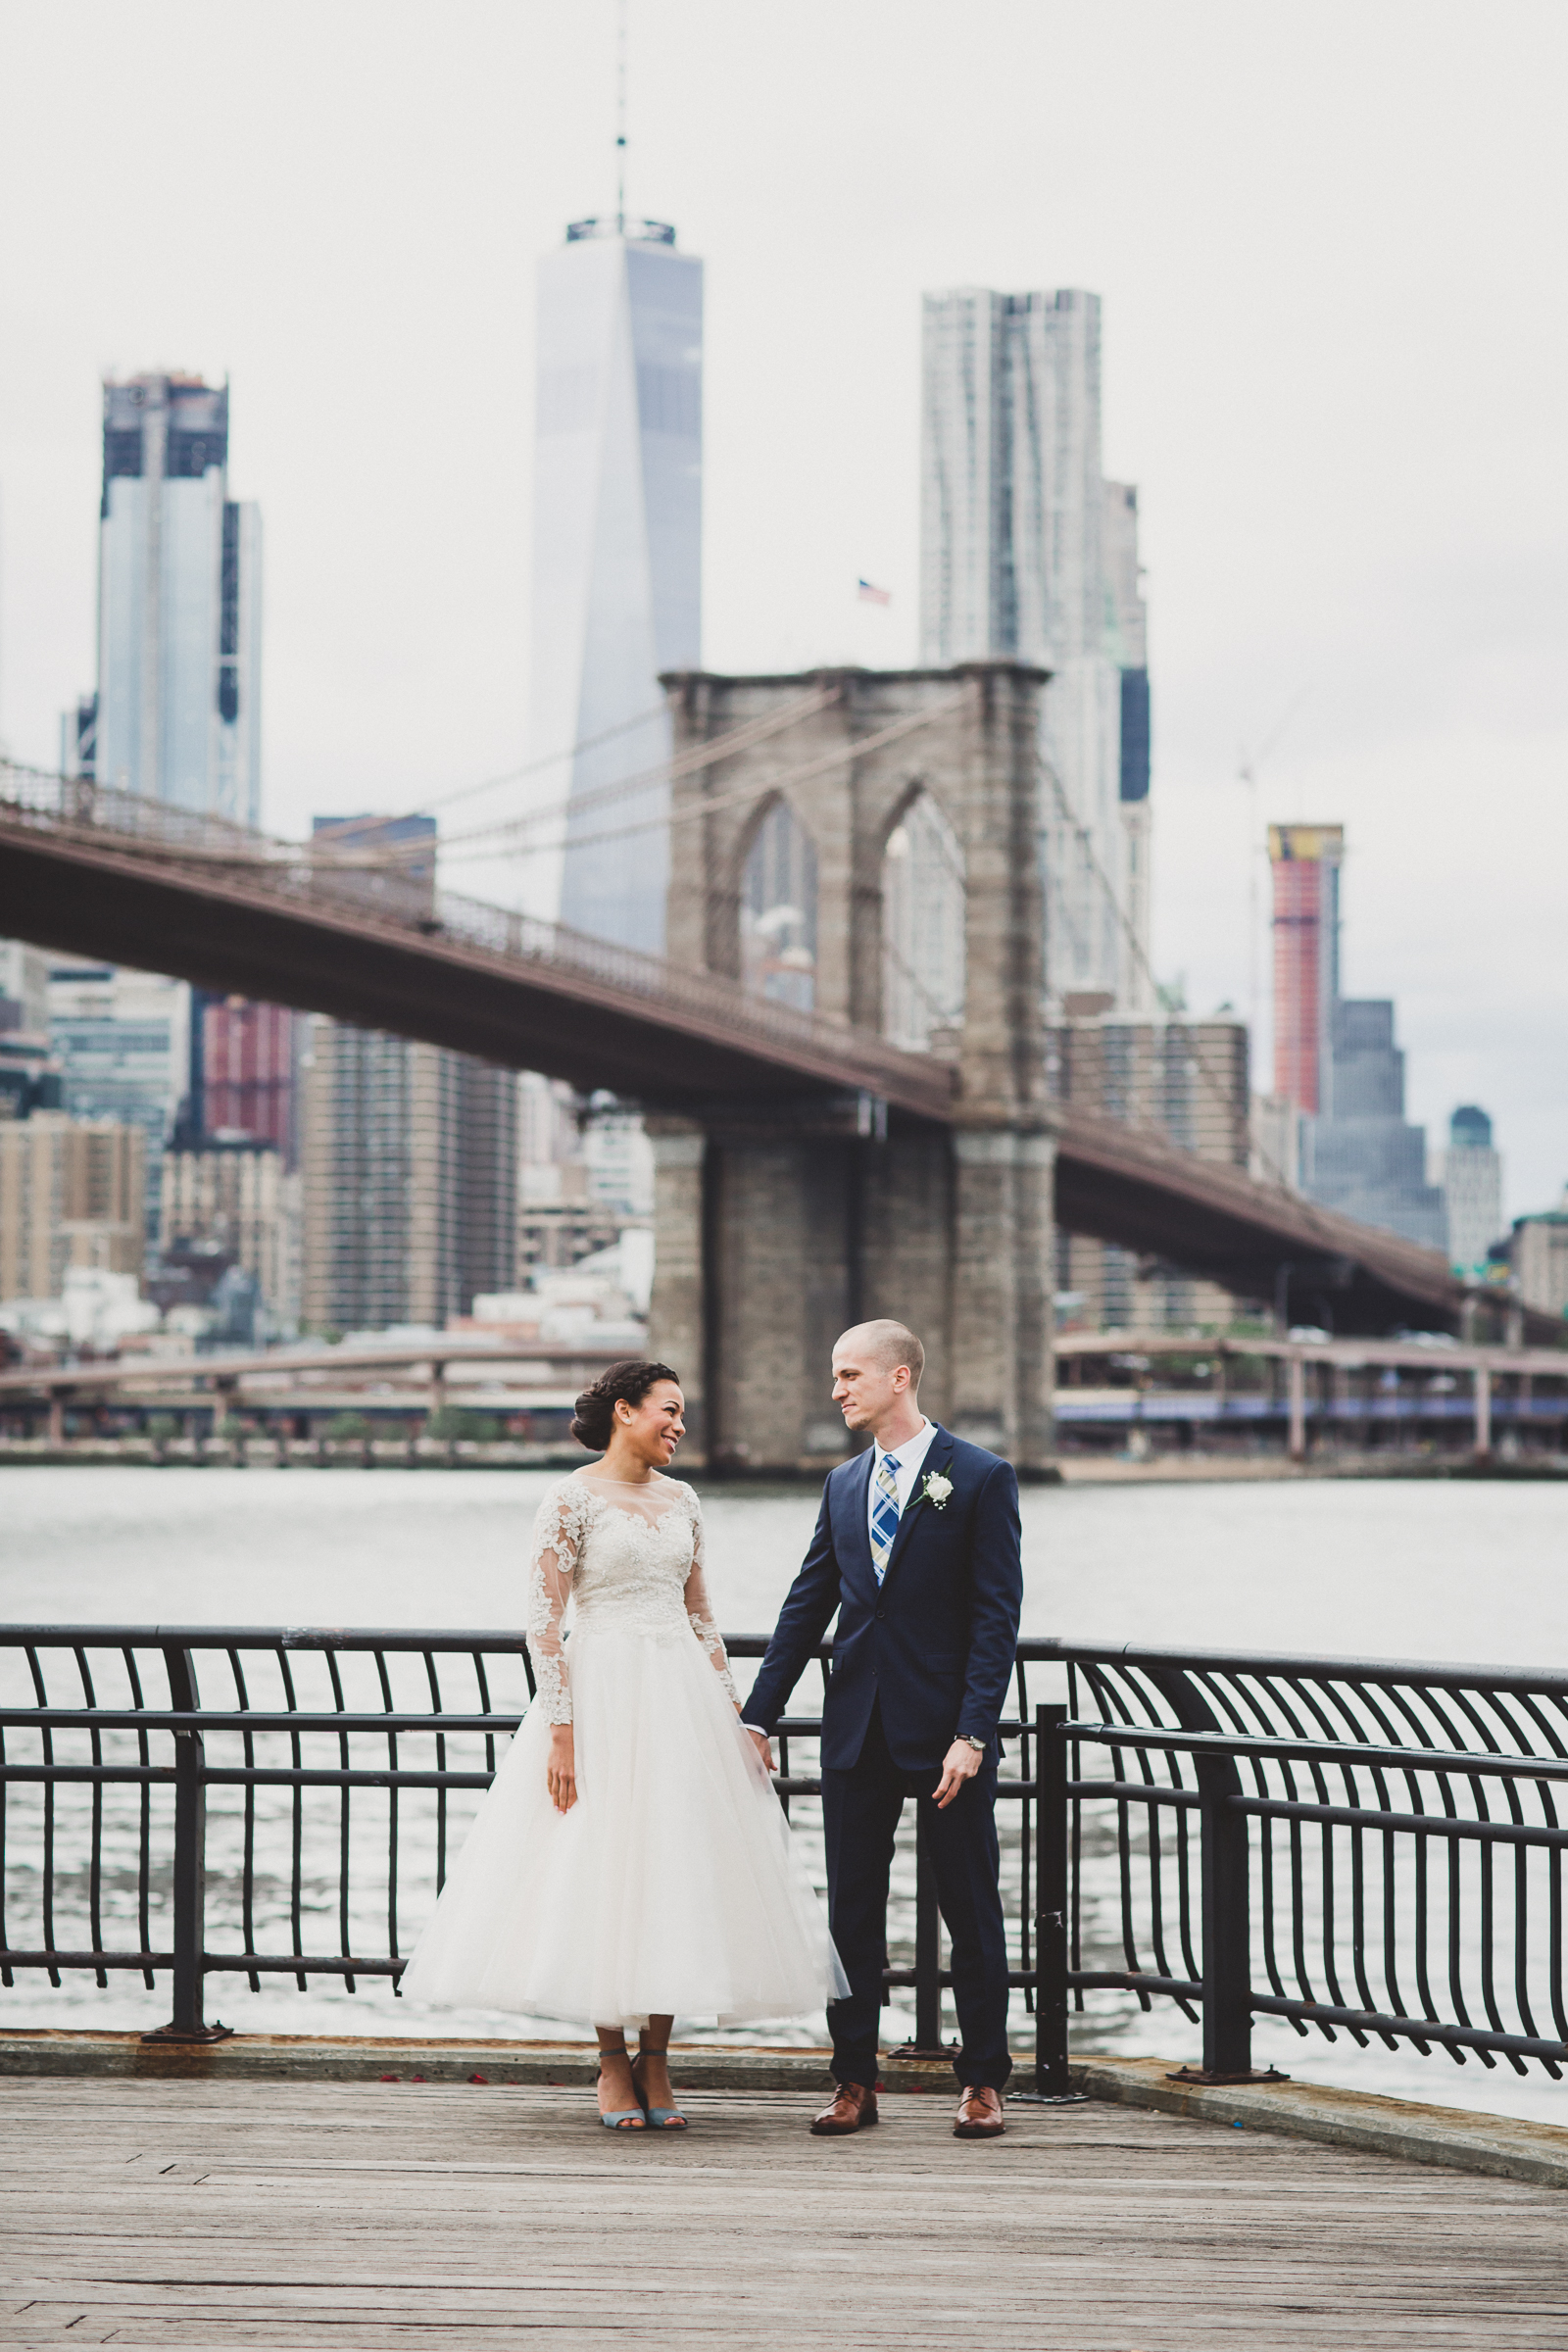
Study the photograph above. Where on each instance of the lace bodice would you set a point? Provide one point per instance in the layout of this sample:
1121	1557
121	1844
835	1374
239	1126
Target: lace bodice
626	1556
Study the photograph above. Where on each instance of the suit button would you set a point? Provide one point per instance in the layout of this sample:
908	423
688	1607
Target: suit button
881	1613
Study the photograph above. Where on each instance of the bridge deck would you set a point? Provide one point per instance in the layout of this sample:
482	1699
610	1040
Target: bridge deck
368	2215
135	882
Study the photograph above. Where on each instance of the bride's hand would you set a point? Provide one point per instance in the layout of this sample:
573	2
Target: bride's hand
561	1772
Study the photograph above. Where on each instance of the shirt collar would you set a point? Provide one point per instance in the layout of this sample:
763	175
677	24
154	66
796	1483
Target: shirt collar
923	1437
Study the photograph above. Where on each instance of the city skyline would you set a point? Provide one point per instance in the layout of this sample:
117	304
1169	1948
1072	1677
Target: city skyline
1313	517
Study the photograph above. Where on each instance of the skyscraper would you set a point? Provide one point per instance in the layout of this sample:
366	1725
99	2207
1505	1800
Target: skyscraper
1306	861
1127	627
243	1075
24	987
411	1180
1335	1058
178	712
122	1040
410	1152
616	560
71	1195
1471	1174
1026	555
1365	1157
1186	1078
236	1201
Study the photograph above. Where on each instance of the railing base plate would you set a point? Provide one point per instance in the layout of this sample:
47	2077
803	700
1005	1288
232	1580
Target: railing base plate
1252	2074
1048	2098
216	2031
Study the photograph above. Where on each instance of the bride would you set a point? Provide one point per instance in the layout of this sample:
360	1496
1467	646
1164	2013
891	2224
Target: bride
632	1862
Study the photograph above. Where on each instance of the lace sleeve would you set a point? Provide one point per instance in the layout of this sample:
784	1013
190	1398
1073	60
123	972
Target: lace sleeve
557	1533
697	1607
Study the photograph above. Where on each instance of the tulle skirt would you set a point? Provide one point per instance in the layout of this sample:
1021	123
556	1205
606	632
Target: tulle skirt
670	1888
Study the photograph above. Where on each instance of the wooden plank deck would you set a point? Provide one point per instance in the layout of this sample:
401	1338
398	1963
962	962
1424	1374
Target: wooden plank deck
303	2215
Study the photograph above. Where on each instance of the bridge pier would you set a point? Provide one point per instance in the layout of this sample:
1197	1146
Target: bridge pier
677	1322
768	1244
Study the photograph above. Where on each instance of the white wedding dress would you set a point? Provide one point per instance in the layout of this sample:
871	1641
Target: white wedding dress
670	1888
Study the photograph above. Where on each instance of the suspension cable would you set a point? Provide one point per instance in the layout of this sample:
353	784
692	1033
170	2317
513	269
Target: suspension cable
802	772
1222	1092
510	775
670	770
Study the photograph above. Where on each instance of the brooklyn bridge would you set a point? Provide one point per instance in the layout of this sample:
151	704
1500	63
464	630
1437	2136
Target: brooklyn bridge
807	1170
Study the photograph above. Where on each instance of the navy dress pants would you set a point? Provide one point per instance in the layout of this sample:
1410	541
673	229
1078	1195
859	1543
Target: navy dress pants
861	1809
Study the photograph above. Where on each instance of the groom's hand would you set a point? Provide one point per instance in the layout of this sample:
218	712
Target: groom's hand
764	1746
961	1763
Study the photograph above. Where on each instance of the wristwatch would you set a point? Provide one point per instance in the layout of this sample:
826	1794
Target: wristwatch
968	1739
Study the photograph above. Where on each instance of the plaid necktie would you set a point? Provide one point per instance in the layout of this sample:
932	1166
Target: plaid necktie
883	1514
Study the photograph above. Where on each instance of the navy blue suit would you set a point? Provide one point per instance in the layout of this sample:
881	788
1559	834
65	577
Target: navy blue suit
918	1660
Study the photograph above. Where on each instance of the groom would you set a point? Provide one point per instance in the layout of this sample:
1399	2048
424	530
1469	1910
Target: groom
917	1548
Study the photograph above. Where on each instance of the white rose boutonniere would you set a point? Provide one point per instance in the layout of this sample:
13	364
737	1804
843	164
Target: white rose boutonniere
936	1490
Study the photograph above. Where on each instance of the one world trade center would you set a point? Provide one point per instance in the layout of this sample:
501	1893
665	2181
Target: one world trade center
617	564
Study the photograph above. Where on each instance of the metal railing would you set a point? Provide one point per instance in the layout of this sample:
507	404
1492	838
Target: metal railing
1398	1821
1313	1840
345	1766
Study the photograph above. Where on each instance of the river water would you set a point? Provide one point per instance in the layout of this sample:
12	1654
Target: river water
1467	1572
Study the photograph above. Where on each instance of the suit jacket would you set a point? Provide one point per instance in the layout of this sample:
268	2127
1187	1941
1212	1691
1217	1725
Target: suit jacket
935	1641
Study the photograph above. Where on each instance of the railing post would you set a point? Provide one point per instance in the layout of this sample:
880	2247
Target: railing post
1227	1926
927	1946
1296	1446
1052	2079
1225	1900
190	1865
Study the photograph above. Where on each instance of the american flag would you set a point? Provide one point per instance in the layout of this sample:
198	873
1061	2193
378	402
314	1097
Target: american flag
874	596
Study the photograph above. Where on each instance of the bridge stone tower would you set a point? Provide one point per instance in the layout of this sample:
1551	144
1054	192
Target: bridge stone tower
874	862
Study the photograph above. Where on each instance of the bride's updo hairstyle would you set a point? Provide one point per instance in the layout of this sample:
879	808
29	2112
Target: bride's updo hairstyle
627	1383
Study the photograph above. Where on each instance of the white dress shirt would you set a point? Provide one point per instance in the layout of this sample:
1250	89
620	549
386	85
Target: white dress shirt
907	1460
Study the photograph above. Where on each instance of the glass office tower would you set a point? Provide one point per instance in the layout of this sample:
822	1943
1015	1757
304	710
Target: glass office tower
1025	557
616	562
177	714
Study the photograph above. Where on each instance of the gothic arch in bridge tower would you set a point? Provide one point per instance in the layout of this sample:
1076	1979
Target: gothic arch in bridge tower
776	907
923	920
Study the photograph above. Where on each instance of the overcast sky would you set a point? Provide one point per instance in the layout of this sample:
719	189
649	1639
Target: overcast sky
1329	239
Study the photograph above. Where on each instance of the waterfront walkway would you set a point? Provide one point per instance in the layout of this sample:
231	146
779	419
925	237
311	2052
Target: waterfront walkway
306	2214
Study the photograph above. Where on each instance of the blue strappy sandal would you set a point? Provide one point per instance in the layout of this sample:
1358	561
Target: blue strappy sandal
632	2119
661	2119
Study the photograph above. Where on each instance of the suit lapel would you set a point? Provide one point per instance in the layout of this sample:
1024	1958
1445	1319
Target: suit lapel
859	1505
939	1458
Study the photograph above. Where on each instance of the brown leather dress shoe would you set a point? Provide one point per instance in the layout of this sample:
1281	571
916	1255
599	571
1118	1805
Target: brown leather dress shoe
979	2114
852	2109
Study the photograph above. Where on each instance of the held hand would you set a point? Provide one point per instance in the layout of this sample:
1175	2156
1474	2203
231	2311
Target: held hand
763	1746
561	1772
961	1763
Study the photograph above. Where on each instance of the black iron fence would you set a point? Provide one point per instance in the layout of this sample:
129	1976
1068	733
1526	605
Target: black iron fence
1357	1845
1361	1847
